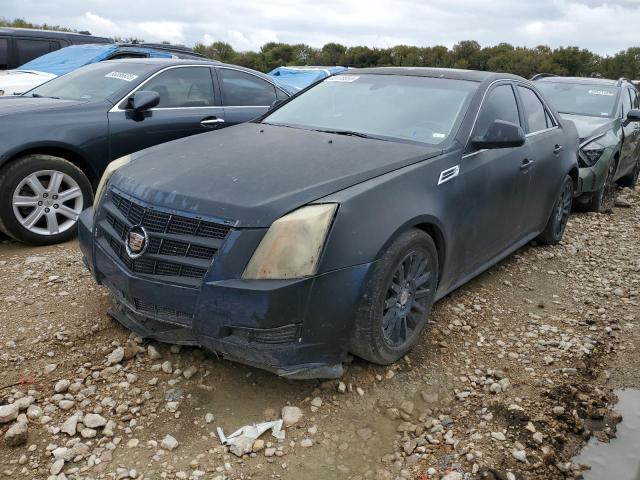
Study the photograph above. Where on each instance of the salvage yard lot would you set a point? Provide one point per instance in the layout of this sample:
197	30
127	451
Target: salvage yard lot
514	371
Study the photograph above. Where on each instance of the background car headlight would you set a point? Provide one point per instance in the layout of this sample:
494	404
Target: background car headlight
293	244
591	153
108	173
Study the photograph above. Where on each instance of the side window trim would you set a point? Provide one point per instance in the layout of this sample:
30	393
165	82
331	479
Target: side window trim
487	92
544	106
248	73
116	107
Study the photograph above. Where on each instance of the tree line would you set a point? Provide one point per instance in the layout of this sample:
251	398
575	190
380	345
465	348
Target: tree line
524	61
504	57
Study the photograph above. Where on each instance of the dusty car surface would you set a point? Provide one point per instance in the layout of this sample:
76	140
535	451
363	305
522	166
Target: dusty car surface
607	116
57	139
332	224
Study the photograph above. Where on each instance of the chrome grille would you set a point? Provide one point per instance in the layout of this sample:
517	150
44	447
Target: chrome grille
178	246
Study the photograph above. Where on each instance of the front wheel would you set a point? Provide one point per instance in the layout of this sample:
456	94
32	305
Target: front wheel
41	198
602	200
398	299
554	230
631	180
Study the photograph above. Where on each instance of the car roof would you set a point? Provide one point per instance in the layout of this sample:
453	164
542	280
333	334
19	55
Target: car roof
163	62
450	73
582	80
33	32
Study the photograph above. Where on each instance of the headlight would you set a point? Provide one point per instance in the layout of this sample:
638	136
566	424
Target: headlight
591	153
293	244
108	173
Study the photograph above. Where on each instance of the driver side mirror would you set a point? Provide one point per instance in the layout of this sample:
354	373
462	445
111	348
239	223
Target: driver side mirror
143	100
501	134
632	116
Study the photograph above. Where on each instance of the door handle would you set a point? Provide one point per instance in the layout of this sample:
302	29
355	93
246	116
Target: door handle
526	164
557	148
211	122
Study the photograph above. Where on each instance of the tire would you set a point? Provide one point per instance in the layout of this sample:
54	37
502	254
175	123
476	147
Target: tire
631	180
602	200
388	300
554	230
41	198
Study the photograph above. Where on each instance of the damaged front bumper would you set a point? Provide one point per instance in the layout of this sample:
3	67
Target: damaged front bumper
295	328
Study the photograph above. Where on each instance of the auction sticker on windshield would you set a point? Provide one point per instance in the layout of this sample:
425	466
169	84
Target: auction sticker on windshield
127	77
606	93
343	78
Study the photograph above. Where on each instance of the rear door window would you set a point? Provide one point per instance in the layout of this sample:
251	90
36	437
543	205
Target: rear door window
4	53
184	87
29	49
500	104
240	89
534	111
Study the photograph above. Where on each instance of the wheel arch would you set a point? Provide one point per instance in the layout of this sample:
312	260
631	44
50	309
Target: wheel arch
432	227
63	151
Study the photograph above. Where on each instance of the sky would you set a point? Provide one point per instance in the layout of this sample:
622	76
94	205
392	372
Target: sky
604	27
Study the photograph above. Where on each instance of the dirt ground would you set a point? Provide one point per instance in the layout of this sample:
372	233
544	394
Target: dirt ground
514	373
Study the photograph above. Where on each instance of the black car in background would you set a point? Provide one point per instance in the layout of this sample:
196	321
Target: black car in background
332	224
21	45
607	116
57	139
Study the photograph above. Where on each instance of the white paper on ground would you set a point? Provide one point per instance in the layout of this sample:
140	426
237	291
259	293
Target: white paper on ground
241	441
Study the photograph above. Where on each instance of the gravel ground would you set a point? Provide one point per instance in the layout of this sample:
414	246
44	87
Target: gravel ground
514	374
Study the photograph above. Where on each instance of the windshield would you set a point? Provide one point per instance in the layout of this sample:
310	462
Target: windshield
399	107
580	99
93	82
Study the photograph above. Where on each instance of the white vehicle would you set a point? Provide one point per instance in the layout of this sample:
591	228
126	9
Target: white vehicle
15	82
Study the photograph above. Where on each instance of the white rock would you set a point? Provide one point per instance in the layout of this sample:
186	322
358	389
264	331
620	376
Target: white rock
70	424
17	434
453	476
8	413
167	367
61	386
153	353
190	372
57	467
291	415
498	436
208	417
316	402
169	443
34	412
520	455
24	402
88	433
116	356
306	443
94	420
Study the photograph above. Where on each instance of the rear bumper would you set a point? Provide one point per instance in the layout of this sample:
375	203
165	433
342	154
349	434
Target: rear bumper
295	328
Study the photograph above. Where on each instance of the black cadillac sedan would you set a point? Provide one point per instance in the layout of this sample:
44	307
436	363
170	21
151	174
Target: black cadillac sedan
57	139
332	224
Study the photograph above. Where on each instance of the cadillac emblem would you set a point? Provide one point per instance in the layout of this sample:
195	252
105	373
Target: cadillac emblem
137	241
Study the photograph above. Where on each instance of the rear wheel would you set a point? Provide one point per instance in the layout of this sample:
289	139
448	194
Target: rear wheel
631	180
602	200
554	231
398	299
41	198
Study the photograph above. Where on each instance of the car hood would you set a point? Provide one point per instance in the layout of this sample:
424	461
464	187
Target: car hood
12	105
588	126
14	82
252	174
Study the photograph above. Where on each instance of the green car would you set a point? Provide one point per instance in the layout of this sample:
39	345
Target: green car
607	116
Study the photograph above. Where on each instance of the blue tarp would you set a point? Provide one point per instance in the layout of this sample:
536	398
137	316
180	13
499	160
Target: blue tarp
70	58
294	79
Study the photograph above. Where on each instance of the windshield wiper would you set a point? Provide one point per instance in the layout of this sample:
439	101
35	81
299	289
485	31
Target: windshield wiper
348	133
37	95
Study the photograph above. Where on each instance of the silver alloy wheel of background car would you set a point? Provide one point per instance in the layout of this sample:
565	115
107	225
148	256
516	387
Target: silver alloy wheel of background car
47	202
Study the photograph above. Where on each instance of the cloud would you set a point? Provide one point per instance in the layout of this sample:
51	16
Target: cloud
599	25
